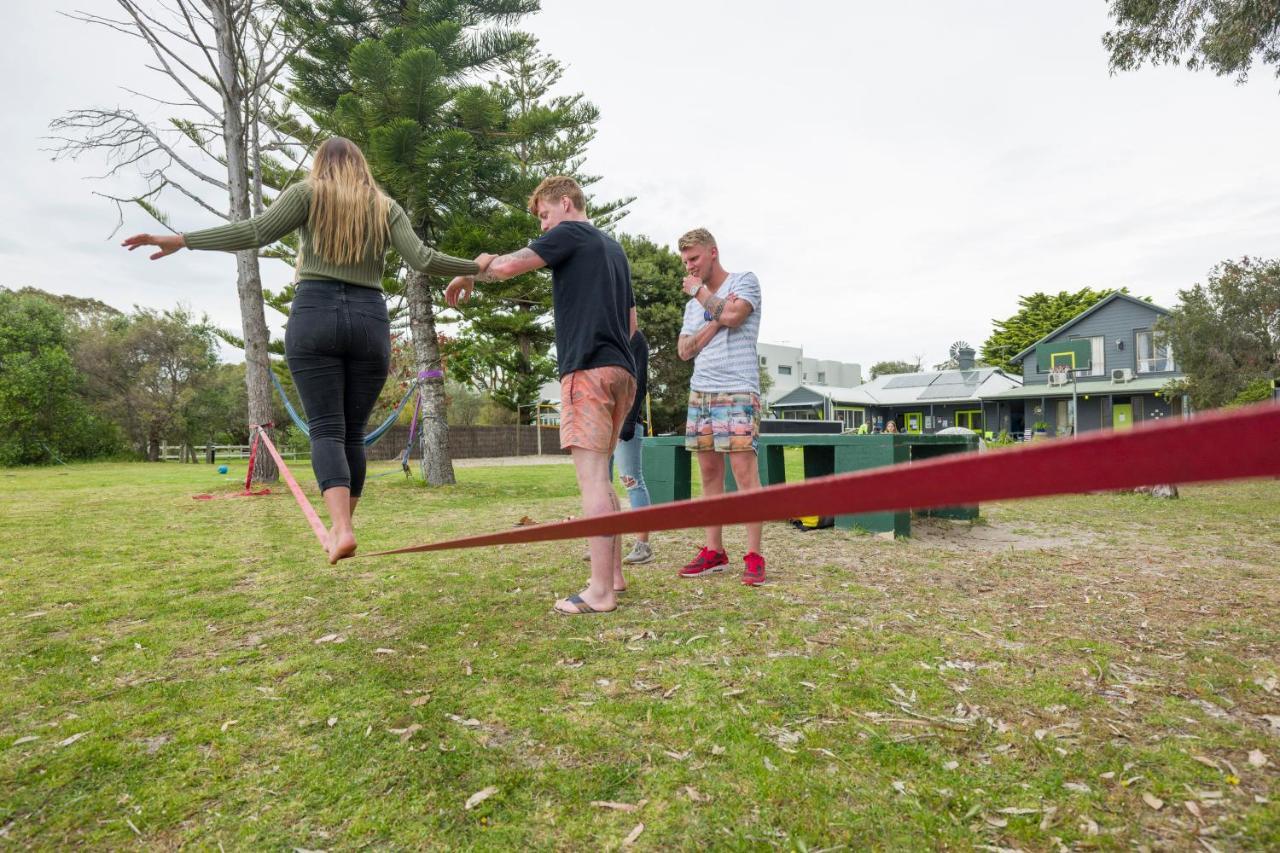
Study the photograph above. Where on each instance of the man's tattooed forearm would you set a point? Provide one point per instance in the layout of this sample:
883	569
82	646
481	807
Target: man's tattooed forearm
716	306
525	254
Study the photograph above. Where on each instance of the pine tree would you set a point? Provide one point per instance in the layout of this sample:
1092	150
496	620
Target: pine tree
507	335
395	76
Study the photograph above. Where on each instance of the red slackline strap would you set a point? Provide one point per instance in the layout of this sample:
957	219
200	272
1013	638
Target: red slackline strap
253	457
317	526
1213	446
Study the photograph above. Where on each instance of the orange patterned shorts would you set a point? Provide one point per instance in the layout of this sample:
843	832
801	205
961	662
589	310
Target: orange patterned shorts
593	405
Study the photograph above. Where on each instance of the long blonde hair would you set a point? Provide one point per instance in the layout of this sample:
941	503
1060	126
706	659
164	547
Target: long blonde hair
349	211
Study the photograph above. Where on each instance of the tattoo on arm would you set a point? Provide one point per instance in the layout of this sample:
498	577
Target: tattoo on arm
716	306
525	254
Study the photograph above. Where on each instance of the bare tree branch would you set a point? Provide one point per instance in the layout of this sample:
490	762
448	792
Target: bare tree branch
118	130
160	50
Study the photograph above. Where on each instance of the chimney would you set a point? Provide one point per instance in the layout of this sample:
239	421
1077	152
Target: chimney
964	359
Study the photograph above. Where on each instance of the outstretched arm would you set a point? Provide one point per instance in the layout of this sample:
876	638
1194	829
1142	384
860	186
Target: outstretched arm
418	255
286	213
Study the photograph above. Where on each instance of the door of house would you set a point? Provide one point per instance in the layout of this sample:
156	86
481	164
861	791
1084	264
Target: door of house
970	419
1122	416
914	422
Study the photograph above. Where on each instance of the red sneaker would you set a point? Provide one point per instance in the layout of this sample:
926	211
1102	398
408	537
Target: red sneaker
707	562
753	574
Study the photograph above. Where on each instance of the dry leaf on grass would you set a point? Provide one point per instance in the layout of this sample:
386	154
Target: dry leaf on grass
1078	787
635	833
327	638
1152	800
420	701
524	521
695	795
629	808
480	796
407	732
1257	758
228	724
385	652
25	739
332	721
72	739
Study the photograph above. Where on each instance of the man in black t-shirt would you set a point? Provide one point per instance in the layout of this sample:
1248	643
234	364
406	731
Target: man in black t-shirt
594	319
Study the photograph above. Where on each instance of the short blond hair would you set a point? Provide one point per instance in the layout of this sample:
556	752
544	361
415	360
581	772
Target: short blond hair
696	237
555	188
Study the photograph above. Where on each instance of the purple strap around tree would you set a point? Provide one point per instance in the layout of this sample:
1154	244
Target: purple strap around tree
413	424
430	374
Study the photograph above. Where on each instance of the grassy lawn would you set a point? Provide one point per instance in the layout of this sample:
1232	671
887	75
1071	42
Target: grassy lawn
1097	671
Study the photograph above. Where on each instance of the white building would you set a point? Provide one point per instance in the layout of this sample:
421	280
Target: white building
788	367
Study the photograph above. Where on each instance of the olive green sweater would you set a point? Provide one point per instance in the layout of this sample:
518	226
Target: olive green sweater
289	212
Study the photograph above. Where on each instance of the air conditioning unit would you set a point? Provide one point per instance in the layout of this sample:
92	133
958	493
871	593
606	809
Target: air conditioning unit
1122	374
1057	380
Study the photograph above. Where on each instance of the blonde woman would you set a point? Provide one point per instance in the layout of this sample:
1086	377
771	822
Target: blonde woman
338	340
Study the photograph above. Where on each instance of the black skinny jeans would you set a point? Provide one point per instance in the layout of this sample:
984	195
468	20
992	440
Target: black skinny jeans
338	343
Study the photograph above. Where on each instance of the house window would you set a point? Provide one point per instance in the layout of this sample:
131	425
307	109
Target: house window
784	370
822	378
763	361
1097	356
1153	355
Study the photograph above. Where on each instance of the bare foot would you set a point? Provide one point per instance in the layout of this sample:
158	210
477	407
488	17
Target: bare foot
341	545
584	602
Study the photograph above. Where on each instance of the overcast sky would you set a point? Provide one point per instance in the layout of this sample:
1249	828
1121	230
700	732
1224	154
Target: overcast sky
896	174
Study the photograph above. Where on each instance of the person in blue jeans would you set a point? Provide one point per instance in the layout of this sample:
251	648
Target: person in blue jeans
628	455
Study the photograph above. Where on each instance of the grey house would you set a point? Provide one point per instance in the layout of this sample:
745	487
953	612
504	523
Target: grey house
1103	369
920	403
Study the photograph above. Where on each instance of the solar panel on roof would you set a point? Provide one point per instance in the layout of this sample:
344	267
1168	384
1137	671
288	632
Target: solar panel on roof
948	392
911	380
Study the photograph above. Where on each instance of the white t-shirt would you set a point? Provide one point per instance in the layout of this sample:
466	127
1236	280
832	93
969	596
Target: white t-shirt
729	363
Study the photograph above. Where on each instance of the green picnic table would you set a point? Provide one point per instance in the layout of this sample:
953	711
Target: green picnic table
667	467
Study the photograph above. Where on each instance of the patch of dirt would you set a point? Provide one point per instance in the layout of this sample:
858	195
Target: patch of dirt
962	535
